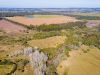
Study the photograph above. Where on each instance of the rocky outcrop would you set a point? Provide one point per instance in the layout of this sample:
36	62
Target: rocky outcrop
25	51
38	61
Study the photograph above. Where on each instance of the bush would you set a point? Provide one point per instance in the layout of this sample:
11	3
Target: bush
42	35
92	39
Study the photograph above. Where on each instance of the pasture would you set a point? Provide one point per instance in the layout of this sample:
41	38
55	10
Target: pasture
48	42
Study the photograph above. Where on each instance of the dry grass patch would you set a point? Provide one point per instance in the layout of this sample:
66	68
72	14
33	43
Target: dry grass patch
48	42
80	63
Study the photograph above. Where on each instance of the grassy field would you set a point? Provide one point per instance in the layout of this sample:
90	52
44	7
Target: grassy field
48	42
81	63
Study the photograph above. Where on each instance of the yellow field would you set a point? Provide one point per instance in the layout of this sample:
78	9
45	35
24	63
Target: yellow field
42	19
47	16
80	63
48	42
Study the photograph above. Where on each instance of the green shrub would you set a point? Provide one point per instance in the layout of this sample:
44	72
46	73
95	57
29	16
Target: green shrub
57	27
42	35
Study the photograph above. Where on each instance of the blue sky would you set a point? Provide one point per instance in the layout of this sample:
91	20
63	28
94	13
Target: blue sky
50	3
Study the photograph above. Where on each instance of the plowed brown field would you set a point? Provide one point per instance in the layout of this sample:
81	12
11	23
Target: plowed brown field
44	20
10	27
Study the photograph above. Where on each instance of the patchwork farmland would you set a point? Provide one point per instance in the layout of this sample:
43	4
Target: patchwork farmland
69	45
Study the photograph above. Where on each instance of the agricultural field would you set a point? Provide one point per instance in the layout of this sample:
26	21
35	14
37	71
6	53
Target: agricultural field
92	23
46	16
11	27
41	19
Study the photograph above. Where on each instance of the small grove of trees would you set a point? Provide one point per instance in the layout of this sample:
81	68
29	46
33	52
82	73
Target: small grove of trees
88	17
81	17
56	27
42	35
92	39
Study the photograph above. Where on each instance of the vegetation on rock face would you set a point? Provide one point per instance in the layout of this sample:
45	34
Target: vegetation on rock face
21	63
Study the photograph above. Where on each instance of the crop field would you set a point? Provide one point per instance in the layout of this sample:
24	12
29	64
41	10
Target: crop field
48	42
80	63
47	16
88	14
42	19
10	27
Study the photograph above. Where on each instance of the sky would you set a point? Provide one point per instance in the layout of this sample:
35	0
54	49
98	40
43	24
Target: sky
50	3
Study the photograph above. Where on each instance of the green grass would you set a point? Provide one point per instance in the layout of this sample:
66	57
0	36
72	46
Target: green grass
43	35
